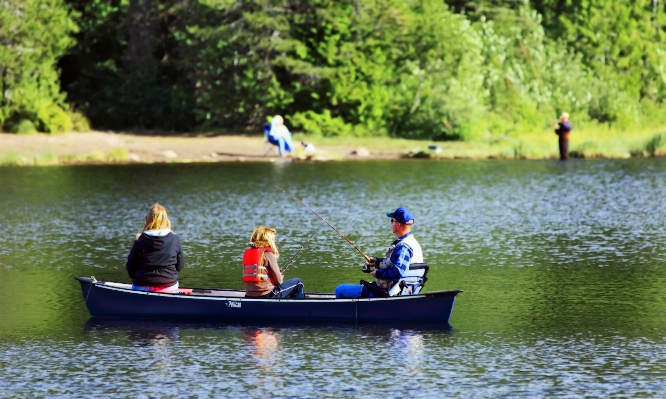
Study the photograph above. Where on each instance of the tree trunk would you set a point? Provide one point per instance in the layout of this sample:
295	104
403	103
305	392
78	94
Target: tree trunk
142	25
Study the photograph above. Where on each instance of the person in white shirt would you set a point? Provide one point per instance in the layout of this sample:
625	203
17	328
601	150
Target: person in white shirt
281	135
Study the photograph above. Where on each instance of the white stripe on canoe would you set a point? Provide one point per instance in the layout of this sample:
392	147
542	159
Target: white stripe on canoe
127	287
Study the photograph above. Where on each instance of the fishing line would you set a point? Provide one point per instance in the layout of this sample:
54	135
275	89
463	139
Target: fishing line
170	210
306	243
139	199
326	221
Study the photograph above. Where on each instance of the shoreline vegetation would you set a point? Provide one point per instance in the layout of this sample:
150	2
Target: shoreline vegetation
97	147
487	74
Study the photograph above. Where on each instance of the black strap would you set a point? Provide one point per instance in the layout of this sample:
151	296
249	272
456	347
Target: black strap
375	289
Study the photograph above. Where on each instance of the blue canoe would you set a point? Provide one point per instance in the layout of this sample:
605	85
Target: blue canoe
117	300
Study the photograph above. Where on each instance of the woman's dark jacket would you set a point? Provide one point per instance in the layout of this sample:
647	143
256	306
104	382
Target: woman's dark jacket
155	260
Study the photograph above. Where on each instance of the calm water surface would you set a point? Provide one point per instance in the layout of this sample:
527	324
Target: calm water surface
563	268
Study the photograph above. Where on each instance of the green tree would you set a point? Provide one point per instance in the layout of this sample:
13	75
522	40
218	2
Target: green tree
238	54
362	67
622	41
34	34
531	77
125	71
407	68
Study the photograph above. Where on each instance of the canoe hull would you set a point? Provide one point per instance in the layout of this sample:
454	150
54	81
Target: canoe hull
115	301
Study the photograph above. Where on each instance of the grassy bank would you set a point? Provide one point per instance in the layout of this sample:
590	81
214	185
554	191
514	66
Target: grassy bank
594	142
51	158
101	147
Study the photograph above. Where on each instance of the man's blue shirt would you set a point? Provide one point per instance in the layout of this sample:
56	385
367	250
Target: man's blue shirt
400	258
564	127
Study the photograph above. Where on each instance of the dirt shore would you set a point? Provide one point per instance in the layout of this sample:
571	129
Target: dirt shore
103	147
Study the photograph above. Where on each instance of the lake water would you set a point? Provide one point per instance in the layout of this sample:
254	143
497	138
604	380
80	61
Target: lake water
563	267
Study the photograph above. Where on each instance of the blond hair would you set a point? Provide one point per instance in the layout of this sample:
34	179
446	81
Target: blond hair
264	236
157	218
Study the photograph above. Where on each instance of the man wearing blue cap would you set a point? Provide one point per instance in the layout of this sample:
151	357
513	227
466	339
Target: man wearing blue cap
390	269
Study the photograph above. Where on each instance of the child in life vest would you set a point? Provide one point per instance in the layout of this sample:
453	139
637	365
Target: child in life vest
261	274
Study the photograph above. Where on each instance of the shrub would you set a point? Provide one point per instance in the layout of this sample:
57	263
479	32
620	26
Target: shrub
322	124
24	126
655	145
52	118
79	122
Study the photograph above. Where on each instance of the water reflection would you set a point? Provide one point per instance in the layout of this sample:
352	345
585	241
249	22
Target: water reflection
142	333
409	344
263	343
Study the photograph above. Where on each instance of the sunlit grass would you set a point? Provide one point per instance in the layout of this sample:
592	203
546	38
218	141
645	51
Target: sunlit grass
593	141
118	154
97	156
12	159
51	158
45	159
588	141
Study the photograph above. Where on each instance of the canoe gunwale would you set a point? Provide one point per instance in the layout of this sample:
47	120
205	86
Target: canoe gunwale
320	296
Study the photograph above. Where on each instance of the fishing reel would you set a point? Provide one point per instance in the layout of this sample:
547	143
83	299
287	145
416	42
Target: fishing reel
369	268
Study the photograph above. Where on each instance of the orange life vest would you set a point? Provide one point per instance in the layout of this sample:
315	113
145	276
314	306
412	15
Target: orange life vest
254	270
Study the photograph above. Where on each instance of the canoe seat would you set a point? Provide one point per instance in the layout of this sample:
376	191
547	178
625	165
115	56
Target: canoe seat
413	280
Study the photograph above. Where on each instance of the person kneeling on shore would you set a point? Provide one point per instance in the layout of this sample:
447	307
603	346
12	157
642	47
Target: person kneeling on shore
261	274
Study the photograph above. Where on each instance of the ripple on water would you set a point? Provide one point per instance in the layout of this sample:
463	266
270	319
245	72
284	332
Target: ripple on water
331	362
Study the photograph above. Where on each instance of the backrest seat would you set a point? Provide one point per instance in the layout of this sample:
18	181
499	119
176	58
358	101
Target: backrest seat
414	279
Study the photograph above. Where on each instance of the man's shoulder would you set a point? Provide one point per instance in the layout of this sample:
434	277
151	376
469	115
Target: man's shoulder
410	239
403	244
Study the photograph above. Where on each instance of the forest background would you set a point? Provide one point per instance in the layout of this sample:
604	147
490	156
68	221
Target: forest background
417	69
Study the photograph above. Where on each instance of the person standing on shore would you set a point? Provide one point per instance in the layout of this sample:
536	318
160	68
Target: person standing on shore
562	129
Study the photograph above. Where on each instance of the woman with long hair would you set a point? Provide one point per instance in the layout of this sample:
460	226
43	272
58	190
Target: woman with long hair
261	274
156	256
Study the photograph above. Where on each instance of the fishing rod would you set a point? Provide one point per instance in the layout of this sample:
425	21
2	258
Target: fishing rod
326	221
146	206
306	243
139	199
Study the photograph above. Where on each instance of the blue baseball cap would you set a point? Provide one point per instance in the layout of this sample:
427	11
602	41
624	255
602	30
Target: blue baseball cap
402	215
